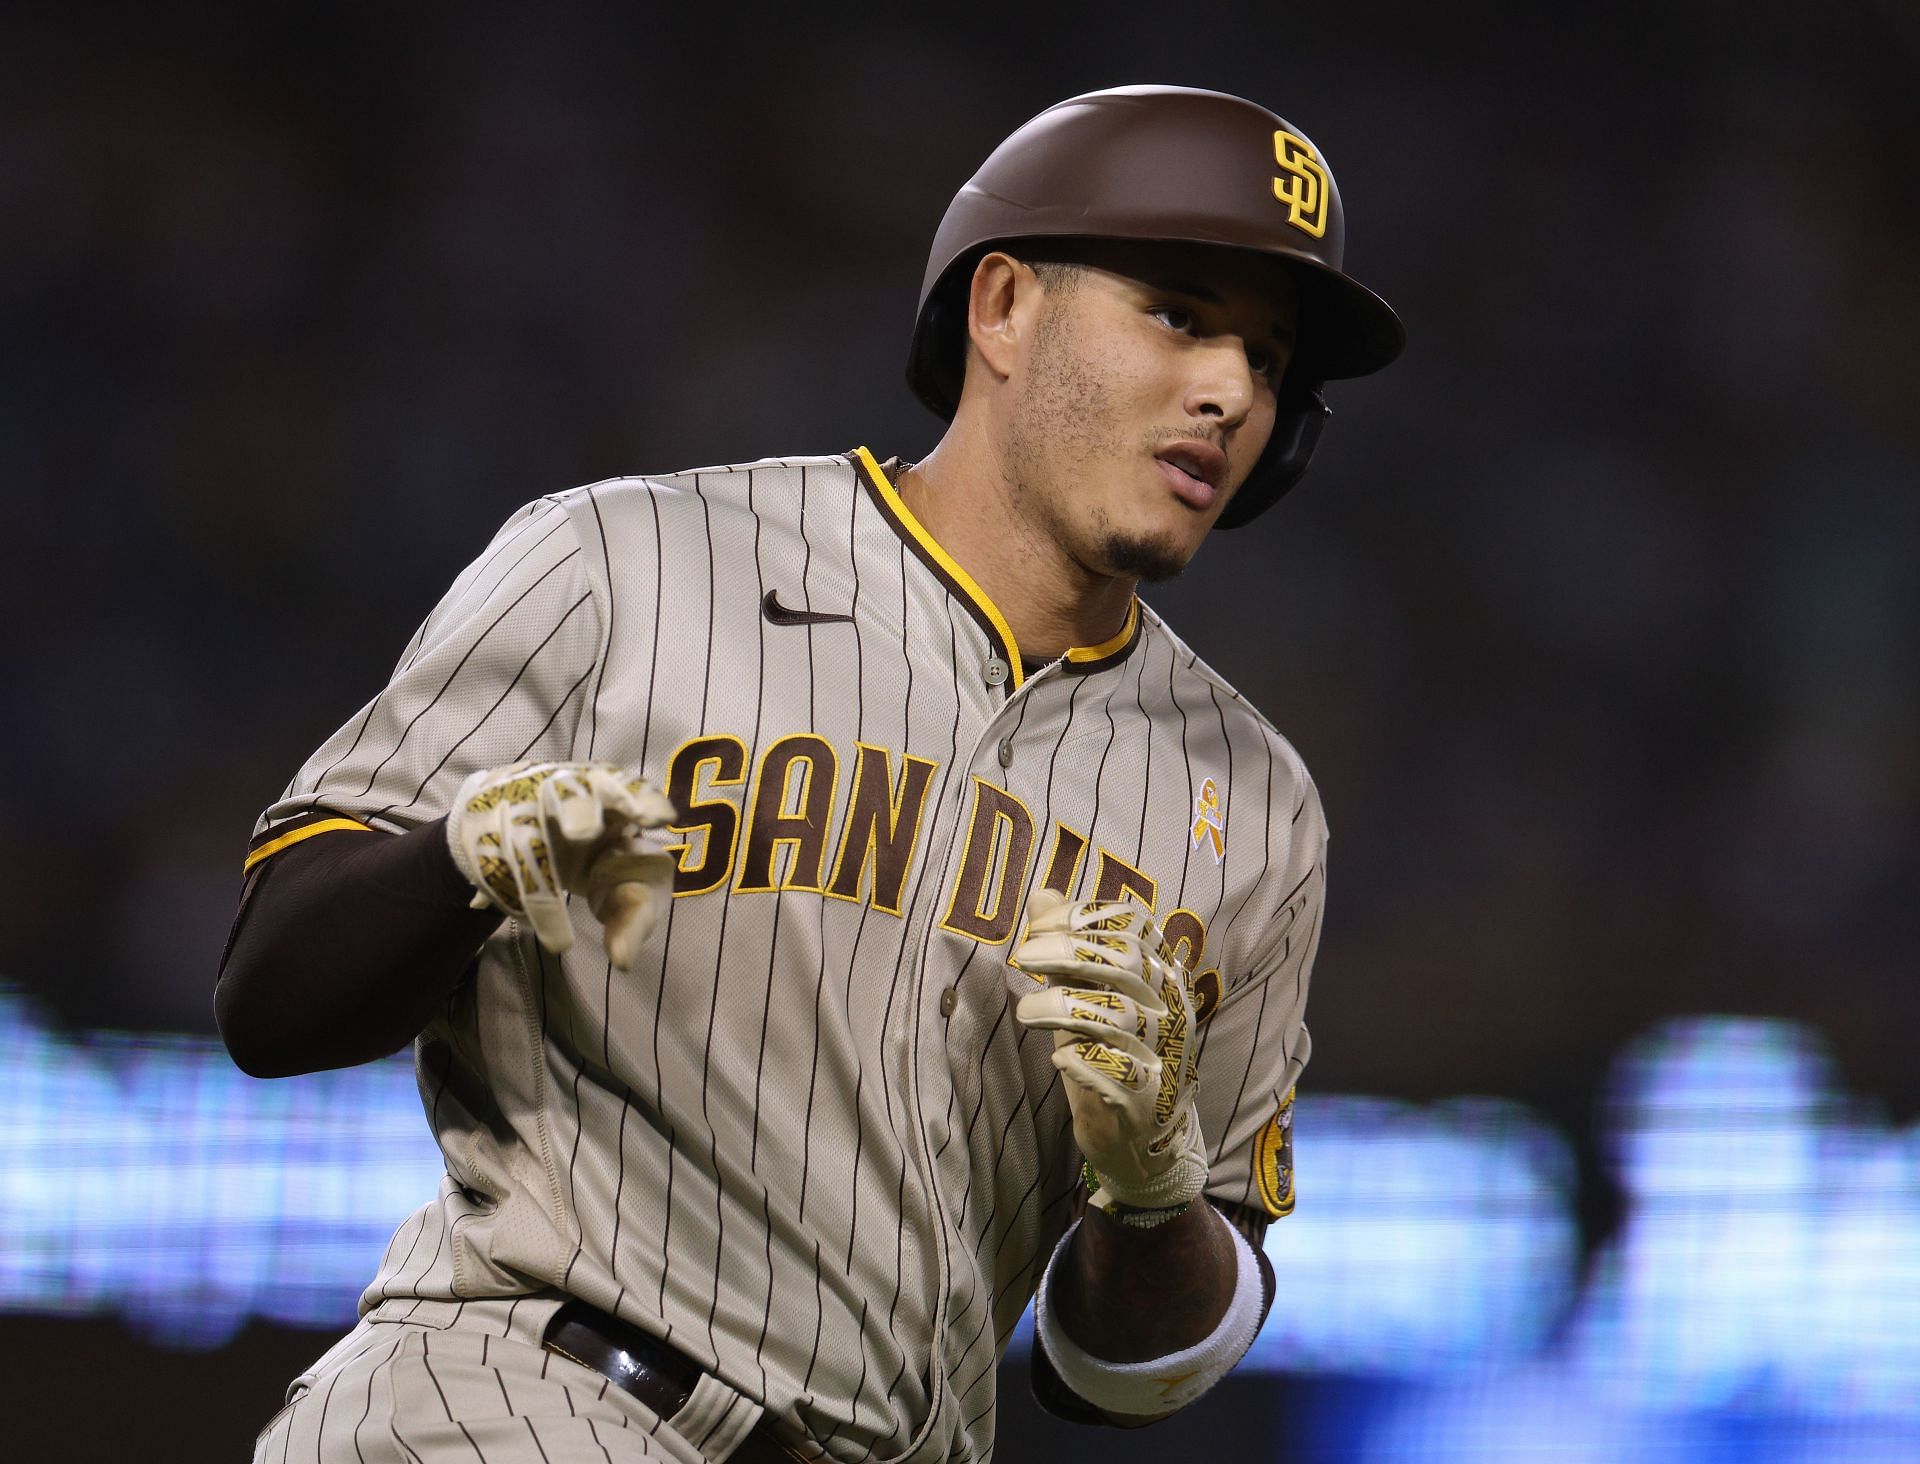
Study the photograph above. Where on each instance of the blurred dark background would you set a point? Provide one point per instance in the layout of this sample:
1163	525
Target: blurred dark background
1596	619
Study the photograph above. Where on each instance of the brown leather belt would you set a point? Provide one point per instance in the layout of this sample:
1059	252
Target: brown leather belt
638	1362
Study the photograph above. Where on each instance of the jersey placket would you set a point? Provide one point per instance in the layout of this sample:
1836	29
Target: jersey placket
985	703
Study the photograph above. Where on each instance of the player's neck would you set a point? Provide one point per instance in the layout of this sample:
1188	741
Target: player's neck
1052	603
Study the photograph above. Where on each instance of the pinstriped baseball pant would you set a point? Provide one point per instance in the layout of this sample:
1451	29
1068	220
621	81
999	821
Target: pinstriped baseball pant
399	1392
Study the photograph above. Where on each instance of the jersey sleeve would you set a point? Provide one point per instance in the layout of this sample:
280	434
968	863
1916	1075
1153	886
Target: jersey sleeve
1254	1045
498	673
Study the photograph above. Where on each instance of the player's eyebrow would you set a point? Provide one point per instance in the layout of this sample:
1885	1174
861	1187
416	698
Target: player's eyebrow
1282	334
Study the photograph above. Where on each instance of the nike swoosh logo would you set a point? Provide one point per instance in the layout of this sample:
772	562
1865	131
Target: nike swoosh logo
778	614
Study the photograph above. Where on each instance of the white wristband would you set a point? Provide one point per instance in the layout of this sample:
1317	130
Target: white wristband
1160	1384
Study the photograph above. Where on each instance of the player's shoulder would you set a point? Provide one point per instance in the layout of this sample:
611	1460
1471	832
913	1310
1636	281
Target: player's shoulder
1241	722
766	487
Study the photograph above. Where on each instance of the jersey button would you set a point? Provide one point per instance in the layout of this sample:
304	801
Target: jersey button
949	999
995	671
1006	752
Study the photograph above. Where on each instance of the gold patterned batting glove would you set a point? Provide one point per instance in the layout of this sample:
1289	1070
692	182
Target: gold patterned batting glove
528	835
1121	1012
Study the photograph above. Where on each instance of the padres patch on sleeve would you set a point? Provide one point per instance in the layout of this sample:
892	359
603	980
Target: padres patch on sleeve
1273	1160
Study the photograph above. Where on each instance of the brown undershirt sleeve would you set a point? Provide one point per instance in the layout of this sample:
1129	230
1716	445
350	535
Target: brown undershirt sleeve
344	947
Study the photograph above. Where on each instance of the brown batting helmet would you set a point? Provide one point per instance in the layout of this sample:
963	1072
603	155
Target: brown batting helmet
1173	164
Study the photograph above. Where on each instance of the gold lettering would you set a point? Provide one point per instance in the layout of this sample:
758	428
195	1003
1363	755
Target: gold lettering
1118	879
883	824
803	827
717	820
1304	187
1206	995
1184	935
993	866
1063	868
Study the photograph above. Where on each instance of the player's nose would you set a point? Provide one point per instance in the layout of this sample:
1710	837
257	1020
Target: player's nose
1220	387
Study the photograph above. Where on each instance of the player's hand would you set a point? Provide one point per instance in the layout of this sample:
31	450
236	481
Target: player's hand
1121	1012
528	835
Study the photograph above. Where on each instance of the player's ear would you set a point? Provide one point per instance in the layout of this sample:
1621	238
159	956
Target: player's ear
1003	303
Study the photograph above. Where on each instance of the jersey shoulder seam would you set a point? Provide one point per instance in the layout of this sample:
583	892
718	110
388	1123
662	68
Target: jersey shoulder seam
593	567
684	477
1190	662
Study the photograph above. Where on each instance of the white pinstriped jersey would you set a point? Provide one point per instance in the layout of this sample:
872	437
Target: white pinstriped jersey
805	1140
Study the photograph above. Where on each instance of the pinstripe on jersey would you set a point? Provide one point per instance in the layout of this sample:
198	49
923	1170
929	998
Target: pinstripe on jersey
469	1380
805	1140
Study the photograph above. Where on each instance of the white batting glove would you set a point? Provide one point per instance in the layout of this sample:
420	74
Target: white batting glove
528	835
1121	1012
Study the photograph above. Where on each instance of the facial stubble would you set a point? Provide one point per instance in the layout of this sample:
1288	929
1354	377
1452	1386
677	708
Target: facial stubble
1062	426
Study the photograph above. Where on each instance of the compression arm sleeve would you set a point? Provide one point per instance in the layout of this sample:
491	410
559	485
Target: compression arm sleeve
344	947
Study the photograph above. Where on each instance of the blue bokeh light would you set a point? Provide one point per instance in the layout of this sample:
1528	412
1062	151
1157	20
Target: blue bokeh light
1765	1283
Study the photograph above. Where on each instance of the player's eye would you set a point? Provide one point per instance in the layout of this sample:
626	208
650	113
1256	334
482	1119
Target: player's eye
1174	317
1264	362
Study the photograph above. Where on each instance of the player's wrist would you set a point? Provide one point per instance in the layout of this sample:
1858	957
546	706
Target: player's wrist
1169	1197
456	834
1136	1218
438	863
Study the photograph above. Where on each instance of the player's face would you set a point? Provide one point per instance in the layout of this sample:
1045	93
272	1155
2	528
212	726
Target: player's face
1147	397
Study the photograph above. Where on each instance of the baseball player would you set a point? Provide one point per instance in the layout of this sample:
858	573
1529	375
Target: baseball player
813	888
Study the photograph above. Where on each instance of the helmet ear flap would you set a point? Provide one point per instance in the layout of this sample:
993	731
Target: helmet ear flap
937	357
1299	417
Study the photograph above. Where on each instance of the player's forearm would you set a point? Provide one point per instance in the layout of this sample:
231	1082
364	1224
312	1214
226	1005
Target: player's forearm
345	947
1129	1295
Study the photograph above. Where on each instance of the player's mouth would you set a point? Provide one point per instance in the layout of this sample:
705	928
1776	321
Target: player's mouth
1194	470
